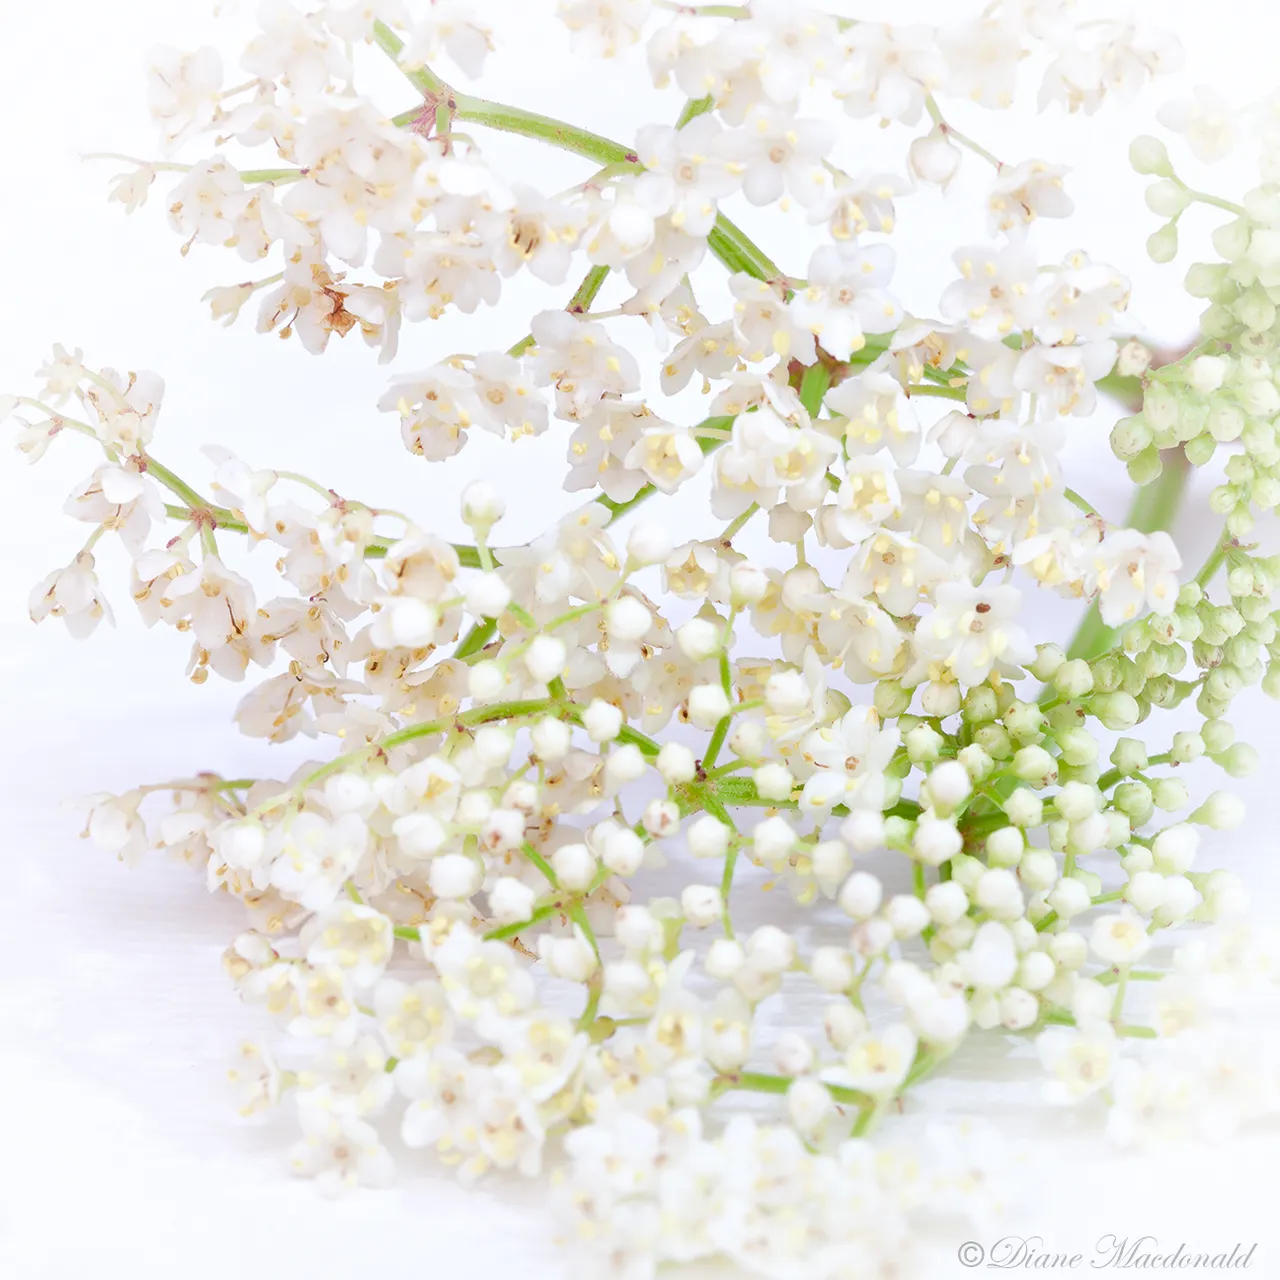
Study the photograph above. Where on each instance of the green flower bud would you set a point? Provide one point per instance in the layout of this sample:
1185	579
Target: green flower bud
1160	407
1023	807
1025	722
1254	609
1005	847
1117	711
994	740
1166	199
1149	155
1187	746
1078	746
1073	679
1188	625
1162	245
1129	755
1206	655
898	833
976	761
979	705
1255	310
1218	322
891	699
1240	523
1165	691
1241	651
924	744
1205	279
1133	799
1091	881
1035	765
1058	832
1240	580
1146	467
1222	811
1132	679
1210	707
1232	240
1223	499
967	870
1271	681
1049	657
1238	761
1200	449
1130	436
1223	683
1106	673
1169	794
1218	735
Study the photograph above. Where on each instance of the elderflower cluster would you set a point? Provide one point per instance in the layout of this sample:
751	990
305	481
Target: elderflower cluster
451	910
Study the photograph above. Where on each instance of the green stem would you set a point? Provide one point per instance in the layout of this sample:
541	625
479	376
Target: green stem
813	386
511	930
1204	575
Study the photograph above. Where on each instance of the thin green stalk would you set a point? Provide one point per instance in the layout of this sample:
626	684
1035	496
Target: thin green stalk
726	240
813	386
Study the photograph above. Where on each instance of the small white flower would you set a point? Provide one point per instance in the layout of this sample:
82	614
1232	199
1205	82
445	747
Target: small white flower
1119	939
1080	1061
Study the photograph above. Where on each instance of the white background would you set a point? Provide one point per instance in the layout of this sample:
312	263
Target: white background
119	1148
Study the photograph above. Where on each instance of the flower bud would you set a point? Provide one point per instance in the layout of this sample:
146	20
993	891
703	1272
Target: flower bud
699	639
482	507
774	781
1167	199
676	763
1149	156
1162	245
648	543
708	837
934	158
1222	811
701	905
545	658
708	705
747	585
860	895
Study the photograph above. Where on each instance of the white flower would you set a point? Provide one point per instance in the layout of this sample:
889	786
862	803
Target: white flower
973	630
851	759
1133	570
887	71
338	1149
413	1017
311	858
183	90
1080	1061
845	296
998	292
1063	378
580	359
687	172
254	1079
1024	192
1119	939
780	155
878	1063
603	28
878	415
351	937
1205	120
72	594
